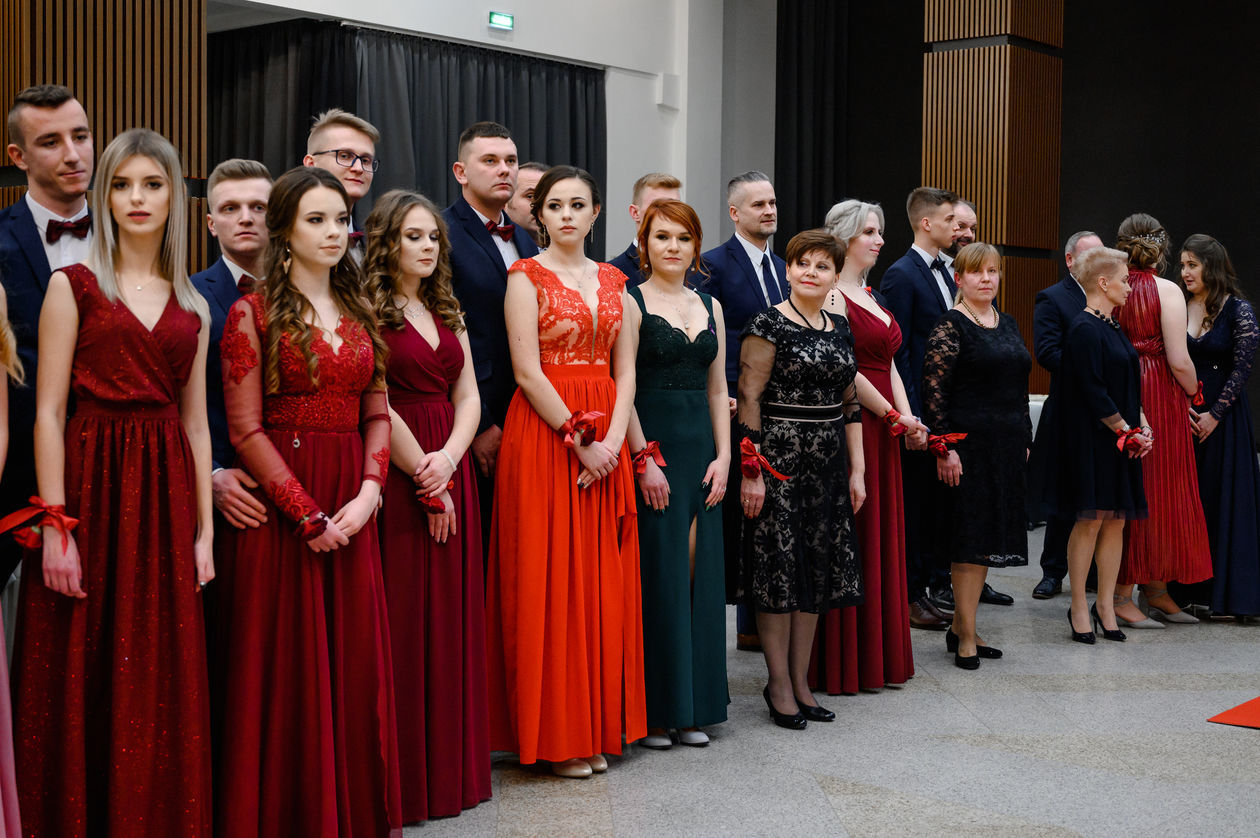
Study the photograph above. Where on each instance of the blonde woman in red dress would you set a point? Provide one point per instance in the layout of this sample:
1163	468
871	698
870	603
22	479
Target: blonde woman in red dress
10	367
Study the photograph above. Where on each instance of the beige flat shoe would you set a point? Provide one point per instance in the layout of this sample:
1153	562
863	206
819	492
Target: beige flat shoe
597	763
574	769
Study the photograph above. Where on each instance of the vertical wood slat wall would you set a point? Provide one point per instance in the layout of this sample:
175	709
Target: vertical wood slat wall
132	63
992	124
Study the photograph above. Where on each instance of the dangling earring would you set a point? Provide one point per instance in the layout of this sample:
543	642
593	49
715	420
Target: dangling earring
287	260
590	234
546	237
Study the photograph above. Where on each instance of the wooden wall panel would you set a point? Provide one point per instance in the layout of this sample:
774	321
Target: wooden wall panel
1035	129
1035	20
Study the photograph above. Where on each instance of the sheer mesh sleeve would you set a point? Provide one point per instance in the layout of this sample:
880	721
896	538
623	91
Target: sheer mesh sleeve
1245	335
242	397
756	361
938	370
375	423
852	409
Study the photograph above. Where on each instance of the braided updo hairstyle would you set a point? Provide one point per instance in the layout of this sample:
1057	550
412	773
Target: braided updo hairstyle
1144	239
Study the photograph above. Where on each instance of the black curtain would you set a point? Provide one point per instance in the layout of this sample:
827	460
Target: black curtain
267	82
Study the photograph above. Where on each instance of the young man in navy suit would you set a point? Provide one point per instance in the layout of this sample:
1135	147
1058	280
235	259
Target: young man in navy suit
655	186
1053	312
746	278
46	229
484	244
237	194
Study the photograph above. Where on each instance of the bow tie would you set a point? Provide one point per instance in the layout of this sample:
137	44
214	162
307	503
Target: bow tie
245	284
79	229
356	237
503	231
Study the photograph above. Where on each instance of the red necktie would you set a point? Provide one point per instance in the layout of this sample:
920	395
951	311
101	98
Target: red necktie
245	284
503	231
56	229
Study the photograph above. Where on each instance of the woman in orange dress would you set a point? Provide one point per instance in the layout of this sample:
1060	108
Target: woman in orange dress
564	618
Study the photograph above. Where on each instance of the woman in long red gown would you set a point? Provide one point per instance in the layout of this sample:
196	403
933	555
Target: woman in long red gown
867	646
308	702
110	685
10	367
1172	544
431	554
563	603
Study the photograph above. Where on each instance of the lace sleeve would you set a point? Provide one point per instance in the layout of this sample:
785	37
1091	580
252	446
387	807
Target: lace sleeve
938	370
242	397
756	361
374	423
1245	336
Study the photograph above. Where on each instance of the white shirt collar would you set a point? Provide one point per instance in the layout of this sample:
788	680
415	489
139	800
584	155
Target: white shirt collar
754	253
923	254
236	270
43	215
485	220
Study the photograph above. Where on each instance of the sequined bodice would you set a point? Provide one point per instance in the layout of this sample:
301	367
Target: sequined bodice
565	335
667	358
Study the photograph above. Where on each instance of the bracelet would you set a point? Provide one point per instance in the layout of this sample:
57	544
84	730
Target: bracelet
893	420
753	461
448	459
937	443
650	451
578	427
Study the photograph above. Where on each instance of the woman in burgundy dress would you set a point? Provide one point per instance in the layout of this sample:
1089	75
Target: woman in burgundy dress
1172	544
110	687
308	701
430	525
867	646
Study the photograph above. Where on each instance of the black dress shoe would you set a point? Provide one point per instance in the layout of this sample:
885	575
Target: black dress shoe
992	597
972	662
1047	588
922	617
951	645
791	721
816	713
943	599
1080	636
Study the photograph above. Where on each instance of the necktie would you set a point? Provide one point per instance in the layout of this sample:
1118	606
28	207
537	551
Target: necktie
356	238
503	231
773	297
938	267
245	284
79	229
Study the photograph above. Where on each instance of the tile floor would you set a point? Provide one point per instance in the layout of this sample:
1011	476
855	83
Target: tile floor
1055	739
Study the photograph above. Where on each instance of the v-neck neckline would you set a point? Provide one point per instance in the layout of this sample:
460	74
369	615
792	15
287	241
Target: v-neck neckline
420	334
149	330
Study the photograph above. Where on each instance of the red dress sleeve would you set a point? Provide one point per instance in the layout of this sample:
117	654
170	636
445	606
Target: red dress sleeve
241	349
375	424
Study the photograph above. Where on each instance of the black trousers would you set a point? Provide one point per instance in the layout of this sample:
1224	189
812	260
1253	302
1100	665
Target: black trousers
925	568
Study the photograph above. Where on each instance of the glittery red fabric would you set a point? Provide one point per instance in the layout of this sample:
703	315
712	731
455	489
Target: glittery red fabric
564	318
302	673
111	693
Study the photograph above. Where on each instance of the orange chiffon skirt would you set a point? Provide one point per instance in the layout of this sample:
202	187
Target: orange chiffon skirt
564	618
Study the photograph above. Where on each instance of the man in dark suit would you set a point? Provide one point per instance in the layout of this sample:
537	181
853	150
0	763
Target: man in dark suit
520	208
746	278
46	229
237	194
1053	312
655	186
484	244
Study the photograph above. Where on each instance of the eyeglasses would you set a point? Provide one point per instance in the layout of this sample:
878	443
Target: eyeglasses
346	157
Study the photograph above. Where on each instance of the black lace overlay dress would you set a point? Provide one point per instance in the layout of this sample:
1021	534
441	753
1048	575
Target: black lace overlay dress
975	381
796	394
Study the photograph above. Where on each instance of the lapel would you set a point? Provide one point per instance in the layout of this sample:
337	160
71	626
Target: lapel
1073	291
222	287
477	231
933	286
27	236
735	252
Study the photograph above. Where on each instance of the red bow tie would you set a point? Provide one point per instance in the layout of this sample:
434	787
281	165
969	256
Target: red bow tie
245	284
503	231
56	229
356	237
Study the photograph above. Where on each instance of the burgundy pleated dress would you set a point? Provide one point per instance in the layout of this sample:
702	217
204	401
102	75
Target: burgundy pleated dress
436	597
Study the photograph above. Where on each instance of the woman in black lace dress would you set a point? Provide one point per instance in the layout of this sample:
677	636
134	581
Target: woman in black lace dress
680	432
800	422
975	386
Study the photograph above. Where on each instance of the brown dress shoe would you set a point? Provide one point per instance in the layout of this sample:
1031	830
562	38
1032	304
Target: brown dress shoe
923	618
936	610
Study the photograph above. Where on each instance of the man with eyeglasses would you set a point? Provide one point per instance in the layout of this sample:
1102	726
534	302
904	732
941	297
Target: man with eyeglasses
345	145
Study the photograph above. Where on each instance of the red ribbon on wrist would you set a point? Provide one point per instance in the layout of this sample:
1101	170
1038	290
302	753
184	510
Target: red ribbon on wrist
937	443
581	422
1127	440
312	526
432	504
653	451
893	420
753	461
1197	401
39	514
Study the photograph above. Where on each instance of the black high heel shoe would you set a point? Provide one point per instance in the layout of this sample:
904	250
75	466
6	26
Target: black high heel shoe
790	721
816	712
1080	636
951	645
1096	622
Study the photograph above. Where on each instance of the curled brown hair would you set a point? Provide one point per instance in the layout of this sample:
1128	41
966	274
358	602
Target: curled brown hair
384	245
679	213
811	240
288	307
1145	241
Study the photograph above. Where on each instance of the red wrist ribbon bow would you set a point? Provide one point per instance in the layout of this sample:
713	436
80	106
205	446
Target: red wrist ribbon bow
937	443
1126	440
312	526
893	420
651	450
582	422
752	461
38	514
434	505
1197	401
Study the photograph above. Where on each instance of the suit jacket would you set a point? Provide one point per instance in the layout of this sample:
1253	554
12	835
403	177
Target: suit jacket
1053	312
733	283
914	298
628	264
217	286
480	280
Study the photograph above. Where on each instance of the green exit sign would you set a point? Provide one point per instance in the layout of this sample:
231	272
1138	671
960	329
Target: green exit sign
502	20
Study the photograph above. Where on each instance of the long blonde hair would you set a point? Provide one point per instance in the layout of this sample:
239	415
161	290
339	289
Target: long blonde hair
9	361
173	256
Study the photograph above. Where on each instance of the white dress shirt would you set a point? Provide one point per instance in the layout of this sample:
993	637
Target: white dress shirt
755	255
946	294
68	250
507	249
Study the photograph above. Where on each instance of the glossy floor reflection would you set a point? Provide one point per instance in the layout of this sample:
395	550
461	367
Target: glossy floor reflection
1055	739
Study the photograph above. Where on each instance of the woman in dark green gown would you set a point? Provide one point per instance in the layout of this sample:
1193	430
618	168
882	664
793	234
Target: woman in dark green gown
680	434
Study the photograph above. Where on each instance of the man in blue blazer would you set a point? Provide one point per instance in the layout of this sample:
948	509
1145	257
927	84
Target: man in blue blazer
484	244
655	186
237	193
1053	312
46	229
